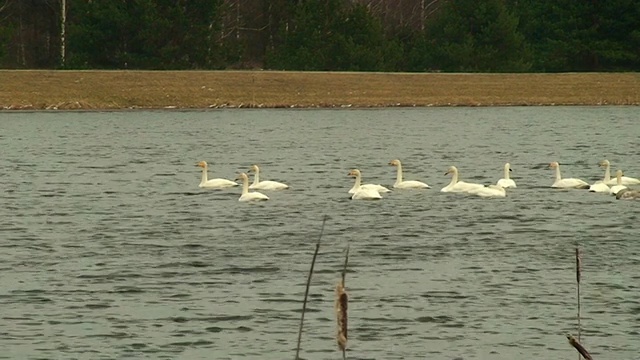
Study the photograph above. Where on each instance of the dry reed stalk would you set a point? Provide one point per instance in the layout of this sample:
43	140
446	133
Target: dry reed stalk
342	304
578	277
576	344
306	292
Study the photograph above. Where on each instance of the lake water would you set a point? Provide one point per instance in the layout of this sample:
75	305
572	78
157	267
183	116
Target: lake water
110	250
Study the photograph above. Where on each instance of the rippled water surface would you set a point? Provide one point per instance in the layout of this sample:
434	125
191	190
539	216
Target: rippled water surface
110	250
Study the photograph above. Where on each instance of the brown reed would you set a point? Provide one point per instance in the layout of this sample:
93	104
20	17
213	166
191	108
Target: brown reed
581	350
342	304
306	292
578	277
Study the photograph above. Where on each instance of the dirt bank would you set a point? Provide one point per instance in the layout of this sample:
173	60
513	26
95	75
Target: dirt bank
111	90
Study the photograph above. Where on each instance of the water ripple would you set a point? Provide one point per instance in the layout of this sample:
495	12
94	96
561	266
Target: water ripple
110	250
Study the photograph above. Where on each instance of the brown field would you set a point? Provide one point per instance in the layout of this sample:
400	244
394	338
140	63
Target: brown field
111	90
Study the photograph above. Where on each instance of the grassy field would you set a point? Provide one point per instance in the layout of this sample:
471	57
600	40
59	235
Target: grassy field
112	90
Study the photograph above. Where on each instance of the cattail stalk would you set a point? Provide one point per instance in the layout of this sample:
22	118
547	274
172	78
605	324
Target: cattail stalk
306	292
578	277
581	350
342	304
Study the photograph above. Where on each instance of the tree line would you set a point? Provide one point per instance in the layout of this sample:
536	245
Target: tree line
327	35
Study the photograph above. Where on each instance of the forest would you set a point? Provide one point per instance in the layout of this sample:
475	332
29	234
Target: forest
322	35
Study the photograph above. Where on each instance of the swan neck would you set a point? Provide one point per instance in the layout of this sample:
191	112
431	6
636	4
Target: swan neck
558	177
607	173
245	185
399	174
619	179
204	175
256	177
506	173
358	181
454	178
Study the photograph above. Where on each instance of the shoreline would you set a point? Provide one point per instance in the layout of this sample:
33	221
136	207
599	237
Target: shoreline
118	90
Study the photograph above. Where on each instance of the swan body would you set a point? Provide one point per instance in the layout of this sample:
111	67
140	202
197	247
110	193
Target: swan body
363	192
357	185
408	184
489	191
607	176
458	186
569	183
213	183
617	188
599	187
249	196
506	182
626	194
265	185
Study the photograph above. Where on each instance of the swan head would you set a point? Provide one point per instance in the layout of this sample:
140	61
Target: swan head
603	163
395	162
354	172
202	164
254	168
451	170
619	173
508	166
242	176
554	165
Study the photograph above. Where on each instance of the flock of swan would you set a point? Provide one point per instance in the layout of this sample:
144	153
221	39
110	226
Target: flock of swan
617	186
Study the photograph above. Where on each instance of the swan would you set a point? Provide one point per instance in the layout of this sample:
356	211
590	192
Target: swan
506	182
616	188
600	187
213	183
408	184
357	185
363	192
458	186
265	185
626	194
249	196
570	183
489	191
607	175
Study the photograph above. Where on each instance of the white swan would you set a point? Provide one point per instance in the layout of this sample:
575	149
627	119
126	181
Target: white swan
264	185
357	184
607	176
408	184
616	188
570	183
506	182
489	191
213	183
249	196
458	186
601	185
626	194
363	192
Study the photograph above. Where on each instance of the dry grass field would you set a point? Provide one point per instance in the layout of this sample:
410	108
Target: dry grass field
112	90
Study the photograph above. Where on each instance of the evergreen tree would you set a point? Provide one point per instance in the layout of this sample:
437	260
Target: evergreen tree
331	35
145	34
468	35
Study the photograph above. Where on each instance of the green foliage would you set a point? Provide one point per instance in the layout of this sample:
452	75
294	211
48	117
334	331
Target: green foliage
6	32
474	36
331	36
145	34
582	35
